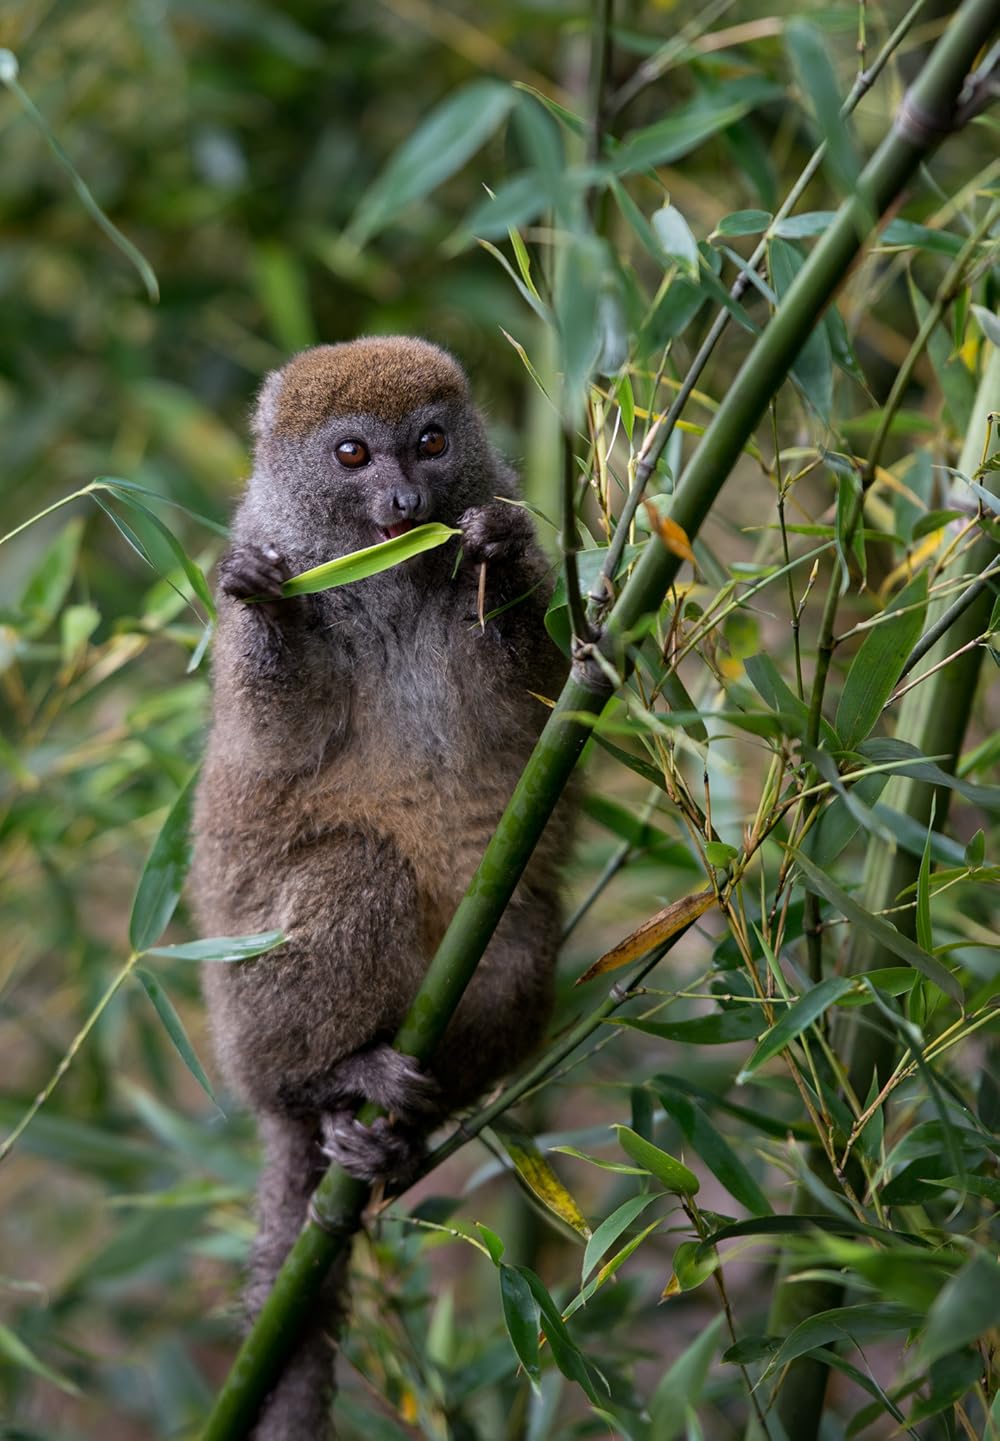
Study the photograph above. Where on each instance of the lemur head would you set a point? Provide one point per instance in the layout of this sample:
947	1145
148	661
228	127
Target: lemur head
361	441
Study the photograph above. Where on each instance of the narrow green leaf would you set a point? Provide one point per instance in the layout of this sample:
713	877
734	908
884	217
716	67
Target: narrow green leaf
967	1306
515	202
492	1242
522	1318
813	368
906	234
162	879
617	1167
8	77
568	1356
819	88
741	222
989	324
282	287
884	933
50	580
581	279
220	948
77	624
608	1270
679	1391
805	226
174	1027
739	1024
975	851
672	1174
805	1012
792	1225
374	558
674	235
193	571
876	667
691	125
908	761
715	1151
449	136
607	1233
19	1354
845	1323
925	929
955	379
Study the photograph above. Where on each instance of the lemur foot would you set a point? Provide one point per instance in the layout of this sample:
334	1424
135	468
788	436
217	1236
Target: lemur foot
383	1075
379	1152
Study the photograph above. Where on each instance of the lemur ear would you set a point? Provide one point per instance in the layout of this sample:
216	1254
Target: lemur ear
265	412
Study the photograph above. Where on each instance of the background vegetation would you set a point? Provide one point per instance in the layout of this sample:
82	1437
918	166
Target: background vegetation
247	150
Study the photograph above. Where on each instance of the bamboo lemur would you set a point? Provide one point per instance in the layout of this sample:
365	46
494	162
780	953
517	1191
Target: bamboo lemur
363	746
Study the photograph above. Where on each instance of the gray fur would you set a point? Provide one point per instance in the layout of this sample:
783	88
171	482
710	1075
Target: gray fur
364	744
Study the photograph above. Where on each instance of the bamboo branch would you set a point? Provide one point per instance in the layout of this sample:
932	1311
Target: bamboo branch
339	1201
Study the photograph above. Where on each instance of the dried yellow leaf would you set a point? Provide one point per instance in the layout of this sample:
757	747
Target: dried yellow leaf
661	927
674	536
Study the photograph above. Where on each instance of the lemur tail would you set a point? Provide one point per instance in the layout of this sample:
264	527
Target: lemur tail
299	1406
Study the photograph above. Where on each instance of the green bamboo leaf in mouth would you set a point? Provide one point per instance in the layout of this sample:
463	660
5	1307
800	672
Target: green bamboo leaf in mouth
360	564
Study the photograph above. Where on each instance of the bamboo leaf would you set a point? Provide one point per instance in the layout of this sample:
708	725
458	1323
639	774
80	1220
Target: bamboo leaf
193	571
359	564
877	666
220	948
522	1318
715	1151
676	240
845	1323
925	929
174	1027
18	1353
741	1023
884	933
538	1175
673	1174
162	879
813	368
804	1013
449	136
679	1391
659	928
691	1268
608	1270
568	1356
691	125
8	77
818	85
967	1306
741	222
607	1233
50	581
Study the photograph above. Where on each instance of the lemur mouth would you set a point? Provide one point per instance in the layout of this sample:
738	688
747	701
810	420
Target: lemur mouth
389	532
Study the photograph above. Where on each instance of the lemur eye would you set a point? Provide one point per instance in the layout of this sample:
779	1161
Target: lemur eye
352	453
433	442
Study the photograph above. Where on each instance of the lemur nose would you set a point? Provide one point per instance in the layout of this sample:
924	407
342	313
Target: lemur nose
407	503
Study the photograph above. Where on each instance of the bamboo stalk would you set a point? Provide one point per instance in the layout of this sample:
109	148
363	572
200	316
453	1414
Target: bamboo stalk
339	1200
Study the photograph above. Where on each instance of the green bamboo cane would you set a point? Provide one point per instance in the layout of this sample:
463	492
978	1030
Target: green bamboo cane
934	717
338	1204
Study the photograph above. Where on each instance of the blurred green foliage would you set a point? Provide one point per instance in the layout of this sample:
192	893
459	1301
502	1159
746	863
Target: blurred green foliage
312	172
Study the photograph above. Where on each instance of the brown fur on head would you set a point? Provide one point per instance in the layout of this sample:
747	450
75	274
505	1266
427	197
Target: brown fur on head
387	376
